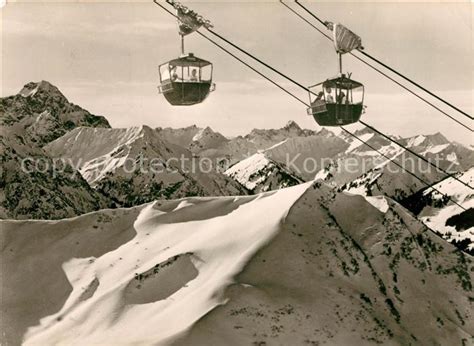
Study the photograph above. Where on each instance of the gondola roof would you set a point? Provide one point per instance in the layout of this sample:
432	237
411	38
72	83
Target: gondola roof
342	82
189	60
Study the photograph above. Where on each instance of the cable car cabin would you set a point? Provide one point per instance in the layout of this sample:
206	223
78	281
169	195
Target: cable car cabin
335	102
186	81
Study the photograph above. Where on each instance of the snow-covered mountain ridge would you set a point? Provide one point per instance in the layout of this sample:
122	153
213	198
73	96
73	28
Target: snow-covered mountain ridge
136	165
320	266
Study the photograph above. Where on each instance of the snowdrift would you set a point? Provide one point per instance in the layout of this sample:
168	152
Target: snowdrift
294	266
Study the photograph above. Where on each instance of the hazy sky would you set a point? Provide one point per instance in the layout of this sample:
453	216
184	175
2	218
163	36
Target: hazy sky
104	56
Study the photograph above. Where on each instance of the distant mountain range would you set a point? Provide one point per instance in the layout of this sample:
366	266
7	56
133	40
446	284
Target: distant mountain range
186	237
134	166
108	167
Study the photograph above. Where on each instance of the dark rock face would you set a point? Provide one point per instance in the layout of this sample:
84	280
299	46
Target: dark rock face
30	186
44	113
462	221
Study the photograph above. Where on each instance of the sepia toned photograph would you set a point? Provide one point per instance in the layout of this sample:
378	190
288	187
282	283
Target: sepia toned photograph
208	173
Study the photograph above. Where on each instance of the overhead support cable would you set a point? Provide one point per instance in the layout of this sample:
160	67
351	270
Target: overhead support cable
417	85
258	60
304	19
413	93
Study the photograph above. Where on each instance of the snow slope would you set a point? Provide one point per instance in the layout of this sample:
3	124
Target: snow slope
98	167
219	249
97	152
437	217
244	171
303	265
415	141
258	173
136	165
356	143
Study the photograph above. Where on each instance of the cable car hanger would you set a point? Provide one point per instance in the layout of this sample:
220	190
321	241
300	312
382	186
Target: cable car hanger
186	80
346	105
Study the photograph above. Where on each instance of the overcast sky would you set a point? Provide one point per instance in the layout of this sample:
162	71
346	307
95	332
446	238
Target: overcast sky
104	57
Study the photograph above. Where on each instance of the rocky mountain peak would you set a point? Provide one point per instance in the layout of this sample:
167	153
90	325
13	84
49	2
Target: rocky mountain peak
206	138
147	130
207	130
42	88
325	133
260	173
437	139
427	140
43	114
363	131
291	125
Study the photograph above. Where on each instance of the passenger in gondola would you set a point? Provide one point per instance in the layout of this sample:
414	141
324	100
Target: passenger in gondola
194	77
341	98
329	97
174	75
319	99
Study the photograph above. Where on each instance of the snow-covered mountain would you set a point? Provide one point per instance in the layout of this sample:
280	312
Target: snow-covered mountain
265	138
382	177
205	142
436	147
181	136
210	144
431	141
284	163
389	179
363	170
258	173
112	160
193	138
335	261
318	268
135	165
453	219
206	139
305	155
